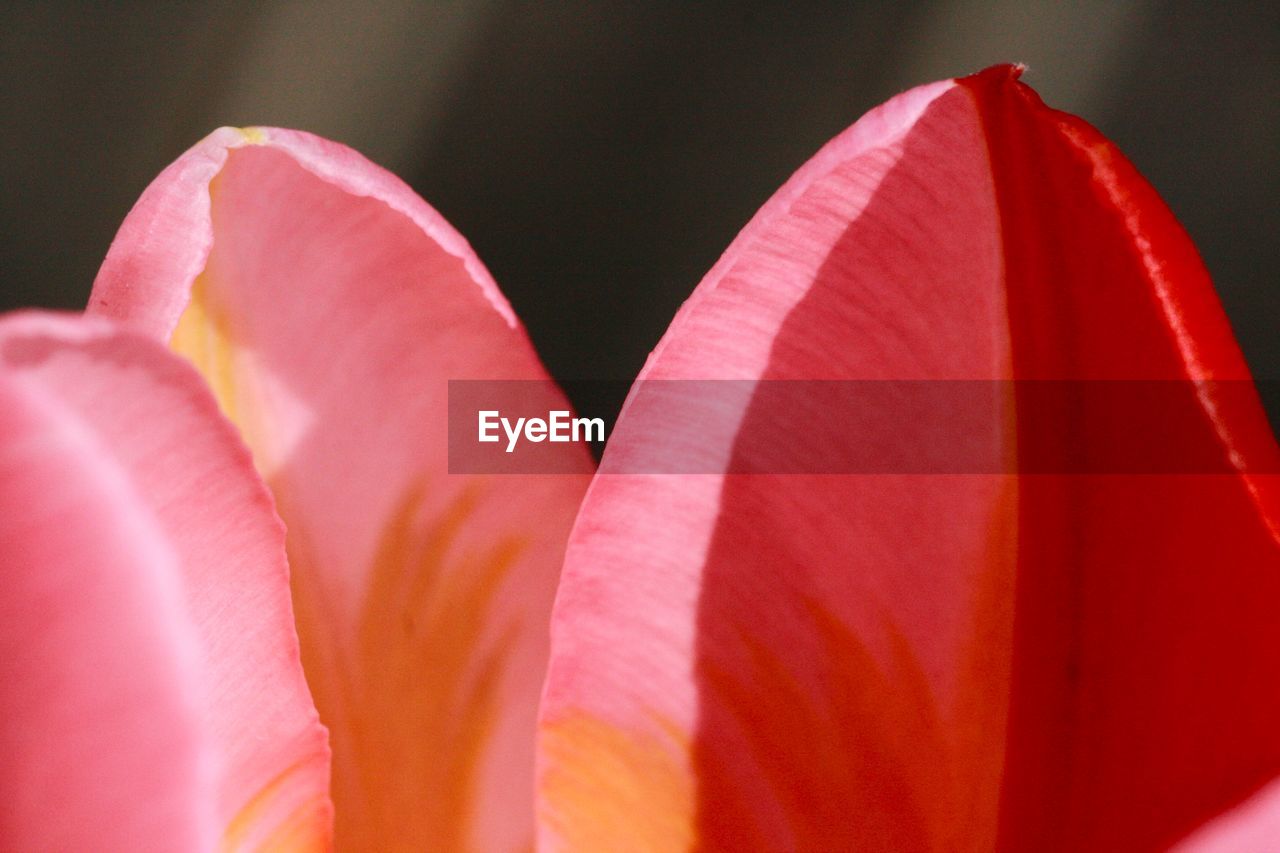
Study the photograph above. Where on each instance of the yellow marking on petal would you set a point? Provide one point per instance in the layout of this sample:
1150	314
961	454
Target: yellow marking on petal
206	336
306	828
203	336
413	696
253	135
604	785
412	703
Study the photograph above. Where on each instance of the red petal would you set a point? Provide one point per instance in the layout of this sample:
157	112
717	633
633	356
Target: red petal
922	662
1142	603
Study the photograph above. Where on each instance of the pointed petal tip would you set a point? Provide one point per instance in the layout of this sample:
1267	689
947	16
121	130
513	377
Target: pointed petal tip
1004	78
999	74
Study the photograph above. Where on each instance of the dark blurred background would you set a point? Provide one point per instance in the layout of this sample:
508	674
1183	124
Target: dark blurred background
599	156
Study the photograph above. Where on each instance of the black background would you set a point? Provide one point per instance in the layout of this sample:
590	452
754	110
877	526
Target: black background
600	156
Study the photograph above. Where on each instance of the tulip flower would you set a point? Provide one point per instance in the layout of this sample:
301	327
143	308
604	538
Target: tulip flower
767	661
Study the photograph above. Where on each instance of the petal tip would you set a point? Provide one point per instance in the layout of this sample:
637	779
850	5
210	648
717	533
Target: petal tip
1001	74
254	135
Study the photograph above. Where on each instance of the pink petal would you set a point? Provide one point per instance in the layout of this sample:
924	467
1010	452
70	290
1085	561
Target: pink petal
925	662
152	474
1253	825
101	741
328	306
